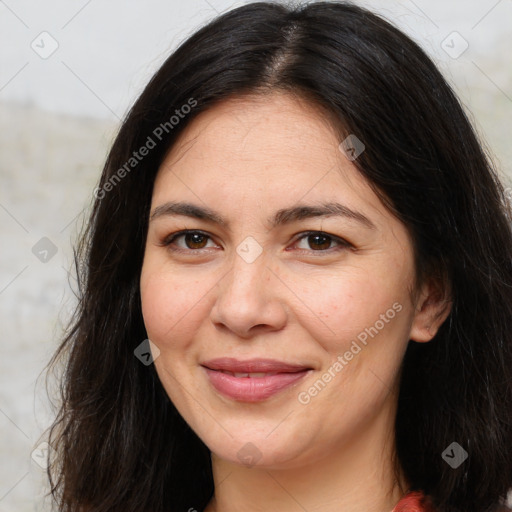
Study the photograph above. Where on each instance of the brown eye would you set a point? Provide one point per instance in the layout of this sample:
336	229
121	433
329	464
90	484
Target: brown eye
194	240
320	241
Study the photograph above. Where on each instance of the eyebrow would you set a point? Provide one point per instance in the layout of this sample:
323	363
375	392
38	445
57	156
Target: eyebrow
281	217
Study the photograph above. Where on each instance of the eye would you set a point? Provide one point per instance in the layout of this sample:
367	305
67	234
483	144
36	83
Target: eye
193	240
320	241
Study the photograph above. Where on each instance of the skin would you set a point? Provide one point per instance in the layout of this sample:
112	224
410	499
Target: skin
299	301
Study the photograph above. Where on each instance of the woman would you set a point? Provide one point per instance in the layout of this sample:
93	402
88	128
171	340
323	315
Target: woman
299	216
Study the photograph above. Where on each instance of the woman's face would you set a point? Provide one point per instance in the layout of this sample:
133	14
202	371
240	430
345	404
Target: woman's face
337	303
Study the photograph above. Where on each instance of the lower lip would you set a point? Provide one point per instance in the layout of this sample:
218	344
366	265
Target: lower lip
248	389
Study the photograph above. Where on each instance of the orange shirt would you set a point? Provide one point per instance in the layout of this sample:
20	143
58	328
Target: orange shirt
413	502
416	502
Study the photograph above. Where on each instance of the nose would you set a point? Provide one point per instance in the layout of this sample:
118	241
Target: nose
250	299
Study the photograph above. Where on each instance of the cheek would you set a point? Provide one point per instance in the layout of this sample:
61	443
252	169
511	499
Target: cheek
342	305
365	320
172	304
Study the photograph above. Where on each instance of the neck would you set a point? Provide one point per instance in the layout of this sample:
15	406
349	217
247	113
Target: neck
358	475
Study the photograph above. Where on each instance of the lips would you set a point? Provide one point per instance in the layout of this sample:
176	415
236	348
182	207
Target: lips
253	366
252	380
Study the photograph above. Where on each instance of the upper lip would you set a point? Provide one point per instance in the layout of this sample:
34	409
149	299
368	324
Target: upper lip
231	364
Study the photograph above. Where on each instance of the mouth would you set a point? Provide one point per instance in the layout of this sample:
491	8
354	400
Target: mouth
253	366
252	380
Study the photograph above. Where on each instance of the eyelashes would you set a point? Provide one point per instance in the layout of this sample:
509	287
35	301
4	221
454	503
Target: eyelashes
170	239
194	241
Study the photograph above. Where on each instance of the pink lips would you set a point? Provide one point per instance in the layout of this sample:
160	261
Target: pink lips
279	376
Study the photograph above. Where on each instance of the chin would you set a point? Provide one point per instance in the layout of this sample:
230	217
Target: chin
257	452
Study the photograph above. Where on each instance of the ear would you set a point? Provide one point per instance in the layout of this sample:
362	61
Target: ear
433	305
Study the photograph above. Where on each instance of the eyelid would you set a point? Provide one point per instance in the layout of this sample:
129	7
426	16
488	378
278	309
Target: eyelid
172	236
342	243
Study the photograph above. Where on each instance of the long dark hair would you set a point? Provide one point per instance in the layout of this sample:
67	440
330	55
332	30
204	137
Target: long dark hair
118	442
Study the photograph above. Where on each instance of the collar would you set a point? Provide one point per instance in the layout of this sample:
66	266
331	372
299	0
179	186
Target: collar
413	502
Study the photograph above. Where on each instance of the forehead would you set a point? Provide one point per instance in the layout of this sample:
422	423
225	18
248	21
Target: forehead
274	148
258	126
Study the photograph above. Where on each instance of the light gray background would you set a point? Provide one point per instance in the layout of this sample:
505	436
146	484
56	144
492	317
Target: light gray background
58	116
